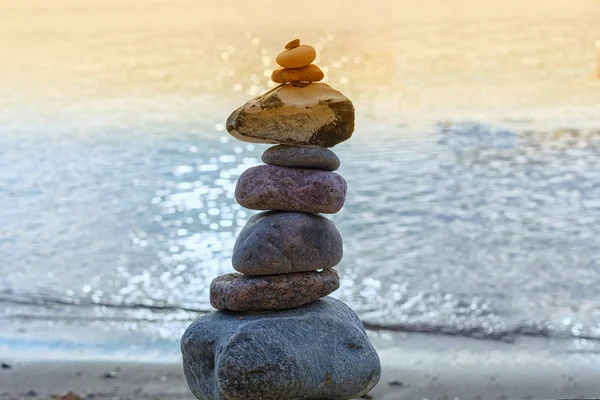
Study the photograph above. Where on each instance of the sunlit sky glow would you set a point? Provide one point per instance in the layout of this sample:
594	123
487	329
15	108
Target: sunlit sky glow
431	57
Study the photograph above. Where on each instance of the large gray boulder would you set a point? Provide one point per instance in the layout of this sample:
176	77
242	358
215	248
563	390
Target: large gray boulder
318	351
283	242
306	115
270	187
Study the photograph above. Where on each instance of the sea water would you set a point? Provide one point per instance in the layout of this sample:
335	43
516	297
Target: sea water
474	184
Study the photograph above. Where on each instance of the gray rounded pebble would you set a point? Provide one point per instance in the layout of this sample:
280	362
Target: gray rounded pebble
283	242
270	187
237	292
301	157
318	351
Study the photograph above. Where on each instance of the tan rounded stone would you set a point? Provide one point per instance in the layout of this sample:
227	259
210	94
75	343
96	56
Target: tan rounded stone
313	115
310	73
293	43
298	57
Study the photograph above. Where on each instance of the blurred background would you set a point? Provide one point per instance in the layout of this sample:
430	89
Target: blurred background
474	182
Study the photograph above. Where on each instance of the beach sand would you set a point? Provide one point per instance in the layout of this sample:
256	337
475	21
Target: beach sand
415	366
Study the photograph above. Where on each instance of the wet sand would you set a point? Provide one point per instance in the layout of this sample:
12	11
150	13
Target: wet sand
414	367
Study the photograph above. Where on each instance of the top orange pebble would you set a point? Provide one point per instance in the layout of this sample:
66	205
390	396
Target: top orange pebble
292	43
296	55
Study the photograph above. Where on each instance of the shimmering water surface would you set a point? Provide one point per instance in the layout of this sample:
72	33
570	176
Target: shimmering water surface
474	182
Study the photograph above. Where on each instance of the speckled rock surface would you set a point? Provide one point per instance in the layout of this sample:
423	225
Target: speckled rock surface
270	187
311	115
318	351
282	242
237	292
302	157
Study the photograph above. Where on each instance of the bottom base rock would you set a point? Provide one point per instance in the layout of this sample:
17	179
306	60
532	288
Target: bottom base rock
317	351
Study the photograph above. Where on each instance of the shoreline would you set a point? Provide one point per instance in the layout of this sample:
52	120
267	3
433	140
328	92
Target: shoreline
414	366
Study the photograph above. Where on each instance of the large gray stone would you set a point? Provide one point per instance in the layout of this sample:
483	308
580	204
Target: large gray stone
318	351
283	242
306	115
270	187
301	157
237	292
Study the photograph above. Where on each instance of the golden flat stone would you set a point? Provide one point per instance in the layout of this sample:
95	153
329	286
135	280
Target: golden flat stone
310	73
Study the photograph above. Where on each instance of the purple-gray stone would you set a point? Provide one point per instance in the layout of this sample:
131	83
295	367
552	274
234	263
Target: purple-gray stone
301	157
318	351
237	292
270	187
276	242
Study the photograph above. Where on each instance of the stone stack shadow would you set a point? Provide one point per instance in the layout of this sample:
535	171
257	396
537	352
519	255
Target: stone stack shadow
276	334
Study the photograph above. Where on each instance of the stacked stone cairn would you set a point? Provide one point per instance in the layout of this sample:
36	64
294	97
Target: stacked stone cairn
276	335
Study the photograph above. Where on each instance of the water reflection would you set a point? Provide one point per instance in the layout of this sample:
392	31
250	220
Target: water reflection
467	230
117	178
195	223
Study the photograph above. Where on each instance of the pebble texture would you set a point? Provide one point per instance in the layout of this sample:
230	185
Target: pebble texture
302	157
319	351
310	73
270	187
296	57
237	292
284	242
311	115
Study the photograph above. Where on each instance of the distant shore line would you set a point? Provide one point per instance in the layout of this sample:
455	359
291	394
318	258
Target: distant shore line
508	335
